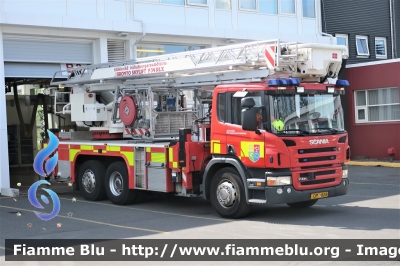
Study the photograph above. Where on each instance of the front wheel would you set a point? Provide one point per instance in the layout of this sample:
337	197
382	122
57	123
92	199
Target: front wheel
302	204
228	195
117	186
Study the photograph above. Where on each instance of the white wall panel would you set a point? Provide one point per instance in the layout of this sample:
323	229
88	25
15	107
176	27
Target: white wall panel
116	10
197	17
257	22
287	25
39	7
223	19
160	14
82	9
309	26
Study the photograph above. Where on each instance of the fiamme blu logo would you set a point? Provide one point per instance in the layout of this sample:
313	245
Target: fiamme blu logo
43	166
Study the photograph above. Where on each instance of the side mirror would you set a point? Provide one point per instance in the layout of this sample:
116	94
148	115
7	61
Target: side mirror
249	120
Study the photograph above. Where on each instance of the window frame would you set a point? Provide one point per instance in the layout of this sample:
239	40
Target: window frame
287	14
362	37
187	2
230	6
224	98
248	10
315	12
367	105
385	46
345	36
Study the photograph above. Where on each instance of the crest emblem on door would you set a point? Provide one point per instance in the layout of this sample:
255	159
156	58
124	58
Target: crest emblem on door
254	152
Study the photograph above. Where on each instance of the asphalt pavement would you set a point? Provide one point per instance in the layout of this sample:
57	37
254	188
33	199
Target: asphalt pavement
371	210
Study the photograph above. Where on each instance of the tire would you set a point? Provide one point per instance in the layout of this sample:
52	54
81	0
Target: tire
227	194
302	204
116	183
91	180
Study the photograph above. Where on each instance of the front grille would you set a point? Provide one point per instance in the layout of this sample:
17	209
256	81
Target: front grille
317	159
315	182
328	172
315	150
316	166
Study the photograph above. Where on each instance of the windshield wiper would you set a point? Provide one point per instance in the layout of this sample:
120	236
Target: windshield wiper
298	130
333	130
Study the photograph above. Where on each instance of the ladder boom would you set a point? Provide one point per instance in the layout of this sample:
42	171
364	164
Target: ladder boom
311	62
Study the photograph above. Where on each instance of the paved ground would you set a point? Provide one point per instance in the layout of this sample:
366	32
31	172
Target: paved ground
370	210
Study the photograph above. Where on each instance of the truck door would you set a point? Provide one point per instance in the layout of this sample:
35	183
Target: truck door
248	146
218	128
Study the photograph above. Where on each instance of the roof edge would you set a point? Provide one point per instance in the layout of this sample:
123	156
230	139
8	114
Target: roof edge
380	62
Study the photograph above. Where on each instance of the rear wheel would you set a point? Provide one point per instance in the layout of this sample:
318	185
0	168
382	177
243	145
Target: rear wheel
117	186
302	204
91	180
228	195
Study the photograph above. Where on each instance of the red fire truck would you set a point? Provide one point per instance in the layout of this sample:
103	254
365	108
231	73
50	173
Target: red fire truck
251	123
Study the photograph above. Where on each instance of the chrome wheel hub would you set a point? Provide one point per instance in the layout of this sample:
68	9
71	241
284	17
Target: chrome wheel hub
116	184
89	181
226	194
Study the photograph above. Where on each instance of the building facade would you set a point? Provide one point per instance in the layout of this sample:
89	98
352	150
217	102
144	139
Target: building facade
371	31
38	38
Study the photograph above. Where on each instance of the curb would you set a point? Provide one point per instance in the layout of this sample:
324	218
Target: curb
385	164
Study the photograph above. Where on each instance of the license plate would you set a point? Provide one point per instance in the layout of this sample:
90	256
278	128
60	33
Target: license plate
319	195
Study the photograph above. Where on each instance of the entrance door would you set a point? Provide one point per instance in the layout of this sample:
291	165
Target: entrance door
247	145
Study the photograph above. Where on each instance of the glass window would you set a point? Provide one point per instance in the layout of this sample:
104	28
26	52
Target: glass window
150	49
308	9
380	47
311	113
268	6
377	105
236	116
248	4
221	107
197	2
173	2
362	45
288	6
223	4
342	39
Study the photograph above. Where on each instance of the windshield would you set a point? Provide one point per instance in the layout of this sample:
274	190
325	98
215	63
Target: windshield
291	114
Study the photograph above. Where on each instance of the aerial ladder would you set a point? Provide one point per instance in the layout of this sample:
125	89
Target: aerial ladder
118	99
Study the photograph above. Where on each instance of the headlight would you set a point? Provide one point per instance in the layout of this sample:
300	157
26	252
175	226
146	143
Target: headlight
279	180
345	173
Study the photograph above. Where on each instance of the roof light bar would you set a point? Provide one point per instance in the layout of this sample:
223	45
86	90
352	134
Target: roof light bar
283	82
294	81
342	83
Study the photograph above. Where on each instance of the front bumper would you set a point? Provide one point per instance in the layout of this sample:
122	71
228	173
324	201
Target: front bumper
296	196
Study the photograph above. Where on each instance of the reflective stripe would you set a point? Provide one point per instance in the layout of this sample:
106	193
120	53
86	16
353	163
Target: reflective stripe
148	149
72	154
129	156
86	147
175	164
215	146
171	155
158	157
113	148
